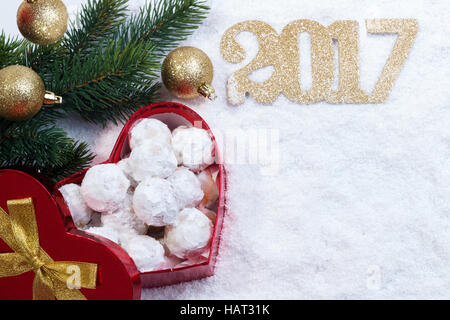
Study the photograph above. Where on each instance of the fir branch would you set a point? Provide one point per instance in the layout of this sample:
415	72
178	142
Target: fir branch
98	21
44	59
110	83
31	142
165	23
118	74
38	144
11	50
76	157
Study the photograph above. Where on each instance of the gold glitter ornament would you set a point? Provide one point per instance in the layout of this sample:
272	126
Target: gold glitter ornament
42	21
22	93
187	72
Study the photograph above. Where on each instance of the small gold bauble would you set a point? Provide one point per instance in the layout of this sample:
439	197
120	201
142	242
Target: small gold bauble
22	93
42	21
187	72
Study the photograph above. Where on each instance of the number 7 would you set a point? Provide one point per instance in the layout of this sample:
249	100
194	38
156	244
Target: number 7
407	32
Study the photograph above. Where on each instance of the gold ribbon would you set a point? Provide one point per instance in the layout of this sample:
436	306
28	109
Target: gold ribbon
20	232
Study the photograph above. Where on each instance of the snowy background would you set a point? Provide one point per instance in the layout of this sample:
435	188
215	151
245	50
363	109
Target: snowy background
360	207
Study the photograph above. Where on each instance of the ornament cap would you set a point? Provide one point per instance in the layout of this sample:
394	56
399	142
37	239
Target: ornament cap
207	91
51	98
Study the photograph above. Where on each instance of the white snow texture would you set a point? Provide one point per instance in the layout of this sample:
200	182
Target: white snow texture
360	207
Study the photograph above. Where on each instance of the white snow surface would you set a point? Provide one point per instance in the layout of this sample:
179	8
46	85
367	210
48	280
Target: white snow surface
360	208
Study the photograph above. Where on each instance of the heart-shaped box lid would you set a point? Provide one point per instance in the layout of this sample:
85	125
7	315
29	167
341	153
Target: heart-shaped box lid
117	275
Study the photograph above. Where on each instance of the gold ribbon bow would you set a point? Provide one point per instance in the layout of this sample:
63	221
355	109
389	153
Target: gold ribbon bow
52	279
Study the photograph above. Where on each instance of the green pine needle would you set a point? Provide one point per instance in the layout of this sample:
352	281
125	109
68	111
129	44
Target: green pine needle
38	144
165	23
109	83
10	50
98	21
77	157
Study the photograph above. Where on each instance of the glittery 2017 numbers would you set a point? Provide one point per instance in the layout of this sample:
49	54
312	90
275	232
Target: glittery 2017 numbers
282	53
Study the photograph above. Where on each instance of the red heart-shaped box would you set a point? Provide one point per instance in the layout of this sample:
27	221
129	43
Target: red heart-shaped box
174	115
118	277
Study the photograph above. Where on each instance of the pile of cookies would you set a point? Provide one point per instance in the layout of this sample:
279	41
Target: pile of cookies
159	202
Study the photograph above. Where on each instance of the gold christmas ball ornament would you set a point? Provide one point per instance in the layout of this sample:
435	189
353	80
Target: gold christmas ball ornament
22	93
42	21
187	72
